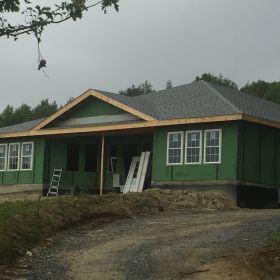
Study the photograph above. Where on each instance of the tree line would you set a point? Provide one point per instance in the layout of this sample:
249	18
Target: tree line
10	115
24	113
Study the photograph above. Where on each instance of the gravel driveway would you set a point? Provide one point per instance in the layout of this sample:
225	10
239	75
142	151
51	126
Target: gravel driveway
168	246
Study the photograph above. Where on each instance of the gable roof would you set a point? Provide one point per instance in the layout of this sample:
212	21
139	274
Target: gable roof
191	103
106	97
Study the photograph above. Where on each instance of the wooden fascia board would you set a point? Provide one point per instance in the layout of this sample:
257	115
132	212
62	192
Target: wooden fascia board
62	110
260	121
115	127
122	106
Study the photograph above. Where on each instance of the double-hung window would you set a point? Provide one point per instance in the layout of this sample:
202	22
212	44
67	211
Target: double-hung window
193	147
13	156
3	157
26	156
175	148
212	146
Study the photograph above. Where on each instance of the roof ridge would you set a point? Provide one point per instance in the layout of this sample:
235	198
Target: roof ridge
221	96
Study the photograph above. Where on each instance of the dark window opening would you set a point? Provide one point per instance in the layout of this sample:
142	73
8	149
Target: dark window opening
91	158
73	155
129	151
113	158
148	147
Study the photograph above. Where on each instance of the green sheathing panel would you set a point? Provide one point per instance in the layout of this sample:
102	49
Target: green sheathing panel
268	156
57	158
35	176
249	155
91	107
259	157
56	153
227	170
277	159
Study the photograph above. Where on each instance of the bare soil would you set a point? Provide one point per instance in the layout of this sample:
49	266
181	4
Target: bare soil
25	223
193	244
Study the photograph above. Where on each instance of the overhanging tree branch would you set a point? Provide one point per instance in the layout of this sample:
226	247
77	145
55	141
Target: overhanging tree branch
36	18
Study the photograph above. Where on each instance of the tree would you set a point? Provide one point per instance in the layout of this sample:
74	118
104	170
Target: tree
34	17
142	89
22	114
69	100
258	88
169	84
273	94
7	116
219	80
44	109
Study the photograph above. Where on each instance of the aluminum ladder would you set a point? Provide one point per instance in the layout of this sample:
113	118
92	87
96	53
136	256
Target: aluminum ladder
53	189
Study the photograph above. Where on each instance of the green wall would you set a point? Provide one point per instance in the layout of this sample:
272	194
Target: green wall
92	107
35	176
250	153
198	172
56	157
259	154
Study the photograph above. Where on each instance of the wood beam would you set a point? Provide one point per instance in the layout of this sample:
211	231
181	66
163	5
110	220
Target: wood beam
62	110
261	121
122	106
120	127
102	165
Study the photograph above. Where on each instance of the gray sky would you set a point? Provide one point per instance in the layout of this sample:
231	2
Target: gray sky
154	40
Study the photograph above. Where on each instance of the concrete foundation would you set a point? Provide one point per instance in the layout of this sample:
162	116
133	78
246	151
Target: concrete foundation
21	188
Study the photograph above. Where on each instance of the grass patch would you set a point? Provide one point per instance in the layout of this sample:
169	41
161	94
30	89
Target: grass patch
8	209
276	236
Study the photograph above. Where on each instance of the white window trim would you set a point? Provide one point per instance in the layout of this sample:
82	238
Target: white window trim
182	148
21	156
200	147
6	155
220	146
8	165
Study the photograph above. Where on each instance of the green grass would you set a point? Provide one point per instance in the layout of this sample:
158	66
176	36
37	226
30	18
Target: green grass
7	209
276	236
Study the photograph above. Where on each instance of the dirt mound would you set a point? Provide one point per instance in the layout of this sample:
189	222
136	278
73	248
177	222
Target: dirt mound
189	199
22	226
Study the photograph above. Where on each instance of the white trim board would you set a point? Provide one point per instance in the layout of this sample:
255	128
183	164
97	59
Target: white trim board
96	120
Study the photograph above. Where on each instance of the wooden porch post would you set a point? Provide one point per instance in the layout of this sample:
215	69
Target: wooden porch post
102	165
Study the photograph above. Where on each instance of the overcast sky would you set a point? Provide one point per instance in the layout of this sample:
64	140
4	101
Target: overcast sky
154	40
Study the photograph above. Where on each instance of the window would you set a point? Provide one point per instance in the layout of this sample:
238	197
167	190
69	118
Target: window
3	157
91	158
73	157
13	156
26	156
212	146
193	147
174	148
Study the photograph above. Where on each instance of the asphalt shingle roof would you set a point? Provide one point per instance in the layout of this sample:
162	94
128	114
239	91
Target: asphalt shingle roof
26	126
198	99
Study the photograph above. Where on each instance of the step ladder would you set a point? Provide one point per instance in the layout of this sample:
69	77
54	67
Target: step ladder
55	181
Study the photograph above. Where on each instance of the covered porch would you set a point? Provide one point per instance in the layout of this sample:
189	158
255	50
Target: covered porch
94	163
